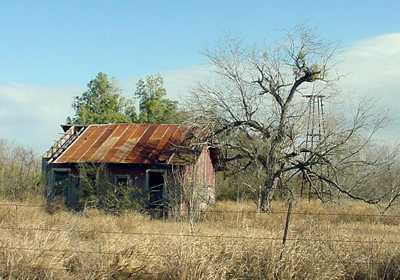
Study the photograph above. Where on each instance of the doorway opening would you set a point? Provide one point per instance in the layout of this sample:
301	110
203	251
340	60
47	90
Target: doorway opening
155	186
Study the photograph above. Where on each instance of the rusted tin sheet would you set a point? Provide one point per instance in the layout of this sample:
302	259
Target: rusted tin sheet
125	143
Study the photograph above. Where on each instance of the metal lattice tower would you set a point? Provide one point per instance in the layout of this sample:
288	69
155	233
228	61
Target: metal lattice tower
315	121
315	131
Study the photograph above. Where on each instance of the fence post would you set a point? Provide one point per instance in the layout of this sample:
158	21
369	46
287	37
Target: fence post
16	215
288	215
286	229
371	261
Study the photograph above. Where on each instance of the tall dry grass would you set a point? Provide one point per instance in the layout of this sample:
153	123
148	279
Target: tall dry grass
230	242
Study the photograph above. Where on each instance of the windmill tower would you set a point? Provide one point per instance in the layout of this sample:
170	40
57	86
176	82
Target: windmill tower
315	132
315	121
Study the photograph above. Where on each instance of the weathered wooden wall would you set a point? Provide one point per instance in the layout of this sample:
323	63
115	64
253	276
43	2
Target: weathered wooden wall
206	174
201	173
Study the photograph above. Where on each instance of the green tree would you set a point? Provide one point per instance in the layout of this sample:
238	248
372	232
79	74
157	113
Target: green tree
154	107
102	103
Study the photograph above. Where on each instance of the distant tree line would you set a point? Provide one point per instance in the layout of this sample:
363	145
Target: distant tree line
19	172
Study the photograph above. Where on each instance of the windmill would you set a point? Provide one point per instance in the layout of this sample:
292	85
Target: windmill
314	137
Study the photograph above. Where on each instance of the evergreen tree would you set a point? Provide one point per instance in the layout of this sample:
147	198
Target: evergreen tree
102	103
154	107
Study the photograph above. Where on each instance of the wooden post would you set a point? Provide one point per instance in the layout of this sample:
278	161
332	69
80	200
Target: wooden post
284	239
286	229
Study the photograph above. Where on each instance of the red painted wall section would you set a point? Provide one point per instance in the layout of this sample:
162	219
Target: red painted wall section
201	176
206	173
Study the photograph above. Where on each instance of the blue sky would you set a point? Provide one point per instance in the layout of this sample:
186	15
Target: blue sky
50	49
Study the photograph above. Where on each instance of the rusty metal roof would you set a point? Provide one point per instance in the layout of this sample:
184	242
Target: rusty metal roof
125	143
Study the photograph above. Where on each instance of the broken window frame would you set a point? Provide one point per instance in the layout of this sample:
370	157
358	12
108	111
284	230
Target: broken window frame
122	176
147	183
56	190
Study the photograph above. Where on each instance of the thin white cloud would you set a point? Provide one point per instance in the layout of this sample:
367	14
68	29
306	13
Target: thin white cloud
372	67
371	70
179	83
31	114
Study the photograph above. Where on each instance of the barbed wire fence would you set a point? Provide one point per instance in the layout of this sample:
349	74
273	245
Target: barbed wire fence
15	208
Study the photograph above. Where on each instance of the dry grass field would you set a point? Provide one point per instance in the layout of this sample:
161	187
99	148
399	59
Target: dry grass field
229	242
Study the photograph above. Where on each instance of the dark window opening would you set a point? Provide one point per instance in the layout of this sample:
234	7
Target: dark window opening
156	189
121	180
61	180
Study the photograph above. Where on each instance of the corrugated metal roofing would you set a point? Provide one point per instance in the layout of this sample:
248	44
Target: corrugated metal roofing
125	143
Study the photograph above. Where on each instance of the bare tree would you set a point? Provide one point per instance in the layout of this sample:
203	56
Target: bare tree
254	108
19	172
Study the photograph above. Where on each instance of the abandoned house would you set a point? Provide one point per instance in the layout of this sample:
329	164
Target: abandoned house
143	156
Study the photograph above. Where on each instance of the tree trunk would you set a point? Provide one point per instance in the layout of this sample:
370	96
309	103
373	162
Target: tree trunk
266	194
272	167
